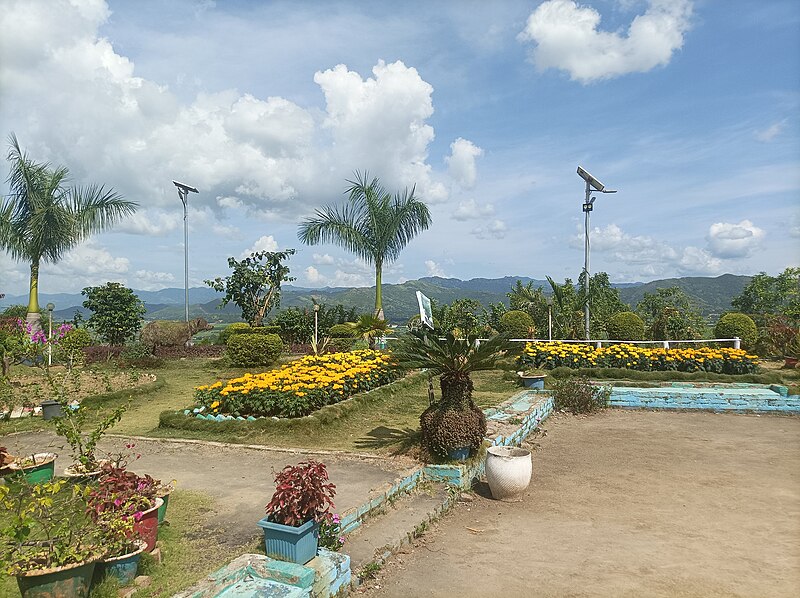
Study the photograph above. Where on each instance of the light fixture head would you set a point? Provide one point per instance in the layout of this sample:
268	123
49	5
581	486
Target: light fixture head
50	306
185	188
590	179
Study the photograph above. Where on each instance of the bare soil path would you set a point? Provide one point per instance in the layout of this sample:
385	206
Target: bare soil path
627	503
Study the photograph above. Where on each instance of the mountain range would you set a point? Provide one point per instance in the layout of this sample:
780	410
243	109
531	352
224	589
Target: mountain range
712	296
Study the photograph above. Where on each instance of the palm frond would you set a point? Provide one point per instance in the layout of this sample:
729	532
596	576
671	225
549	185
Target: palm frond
96	208
449	354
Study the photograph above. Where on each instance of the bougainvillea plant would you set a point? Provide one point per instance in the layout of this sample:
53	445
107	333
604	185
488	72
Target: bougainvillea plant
302	493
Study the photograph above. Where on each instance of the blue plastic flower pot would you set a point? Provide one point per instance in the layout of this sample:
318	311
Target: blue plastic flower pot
533	382
122	568
287	543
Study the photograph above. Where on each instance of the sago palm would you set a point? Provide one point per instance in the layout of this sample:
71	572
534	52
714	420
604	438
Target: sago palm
374	225
41	219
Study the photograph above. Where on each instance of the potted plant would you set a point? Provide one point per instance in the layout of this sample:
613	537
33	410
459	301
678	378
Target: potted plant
36	468
122	493
123	549
163	491
71	424
533	379
454	426
303	498
49	543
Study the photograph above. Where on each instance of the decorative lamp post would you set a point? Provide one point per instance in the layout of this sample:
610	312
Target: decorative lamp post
592	185
183	193
50	308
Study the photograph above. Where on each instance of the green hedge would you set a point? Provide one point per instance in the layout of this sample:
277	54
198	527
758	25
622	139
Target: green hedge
736	324
518	324
637	375
245	350
625	326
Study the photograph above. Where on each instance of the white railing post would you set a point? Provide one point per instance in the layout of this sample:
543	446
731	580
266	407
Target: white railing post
737	342
666	345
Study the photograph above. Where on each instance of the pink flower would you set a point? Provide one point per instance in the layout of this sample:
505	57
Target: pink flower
137	516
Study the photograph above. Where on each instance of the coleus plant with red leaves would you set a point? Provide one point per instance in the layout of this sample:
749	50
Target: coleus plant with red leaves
303	493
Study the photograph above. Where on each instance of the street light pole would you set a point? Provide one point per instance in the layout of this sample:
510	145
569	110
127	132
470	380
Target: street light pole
316	325
50	308
550	319
592	185
183	193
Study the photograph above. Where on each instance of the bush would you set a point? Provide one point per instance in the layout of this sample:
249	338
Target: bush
625	326
139	355
231	329
343	338
254	349
102	353
70	348
576	395
736	324
262	330
517	323
445	430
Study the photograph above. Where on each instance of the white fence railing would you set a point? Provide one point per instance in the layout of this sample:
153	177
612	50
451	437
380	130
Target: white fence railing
737	342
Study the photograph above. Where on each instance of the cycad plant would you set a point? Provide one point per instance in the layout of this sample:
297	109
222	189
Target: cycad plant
454	422
370	328
374	225
42	219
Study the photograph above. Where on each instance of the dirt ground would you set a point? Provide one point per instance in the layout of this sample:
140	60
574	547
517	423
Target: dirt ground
627	503
240	479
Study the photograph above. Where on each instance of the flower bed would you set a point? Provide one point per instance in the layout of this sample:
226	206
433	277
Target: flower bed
578	355
300	387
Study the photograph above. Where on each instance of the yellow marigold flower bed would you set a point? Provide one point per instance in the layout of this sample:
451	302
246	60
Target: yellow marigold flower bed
300	387
578	355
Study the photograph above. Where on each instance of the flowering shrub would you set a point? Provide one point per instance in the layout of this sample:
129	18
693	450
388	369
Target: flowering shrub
330	532
302	493
577	355
300	387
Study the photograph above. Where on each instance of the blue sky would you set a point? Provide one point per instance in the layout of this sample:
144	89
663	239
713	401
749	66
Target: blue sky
688	108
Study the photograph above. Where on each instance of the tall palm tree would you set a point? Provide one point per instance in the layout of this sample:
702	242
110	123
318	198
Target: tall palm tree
374	225
41	219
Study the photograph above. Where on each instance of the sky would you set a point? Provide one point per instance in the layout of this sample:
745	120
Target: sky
688	108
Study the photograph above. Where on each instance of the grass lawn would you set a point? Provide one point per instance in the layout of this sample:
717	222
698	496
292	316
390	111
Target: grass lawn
391	414
190	548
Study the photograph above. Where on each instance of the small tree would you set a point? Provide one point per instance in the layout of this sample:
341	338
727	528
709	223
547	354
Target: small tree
117	312
254	286
668	314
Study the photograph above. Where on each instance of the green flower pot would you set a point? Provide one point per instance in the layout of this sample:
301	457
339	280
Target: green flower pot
39	472
69	580
162	510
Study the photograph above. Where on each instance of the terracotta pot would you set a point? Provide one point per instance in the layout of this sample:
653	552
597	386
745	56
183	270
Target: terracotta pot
147	526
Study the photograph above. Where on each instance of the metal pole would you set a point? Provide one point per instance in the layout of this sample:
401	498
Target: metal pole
50	338
549	322
587	207
183	193
316	327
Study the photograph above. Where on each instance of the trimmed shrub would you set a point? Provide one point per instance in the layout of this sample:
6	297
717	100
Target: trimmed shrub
194	351
576	395
254	349
262	330
343	338
625	326
518	324
231	329
70	348
737	324
445	430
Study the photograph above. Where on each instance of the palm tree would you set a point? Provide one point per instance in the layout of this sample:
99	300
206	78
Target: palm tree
41	219
374	225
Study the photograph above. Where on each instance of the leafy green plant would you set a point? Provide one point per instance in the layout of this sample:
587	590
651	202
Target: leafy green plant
70	348
369	571
255	283
577	395
517	324
370	328
117	313
46	525
330	532
254	349
140	355
71	425
231	329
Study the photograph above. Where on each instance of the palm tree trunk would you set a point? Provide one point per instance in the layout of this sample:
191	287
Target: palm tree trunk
33	317
378	291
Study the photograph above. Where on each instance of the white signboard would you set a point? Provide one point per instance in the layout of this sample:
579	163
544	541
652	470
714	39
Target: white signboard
425	310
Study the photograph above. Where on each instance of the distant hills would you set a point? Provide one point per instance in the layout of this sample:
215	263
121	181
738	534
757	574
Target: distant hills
711	295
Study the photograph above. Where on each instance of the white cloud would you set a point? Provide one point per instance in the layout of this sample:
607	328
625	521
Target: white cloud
241	151
434	269
314	277
471	210
88	264
461	162
728	240
771	132
155	223
566	37
151	281
794	228
323	260
224	230
651	257
496	229
265	243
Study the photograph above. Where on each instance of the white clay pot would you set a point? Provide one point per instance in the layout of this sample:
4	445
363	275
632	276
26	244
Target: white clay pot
508	471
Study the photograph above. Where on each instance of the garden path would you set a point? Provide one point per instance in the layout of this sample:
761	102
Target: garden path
626	503
240	478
